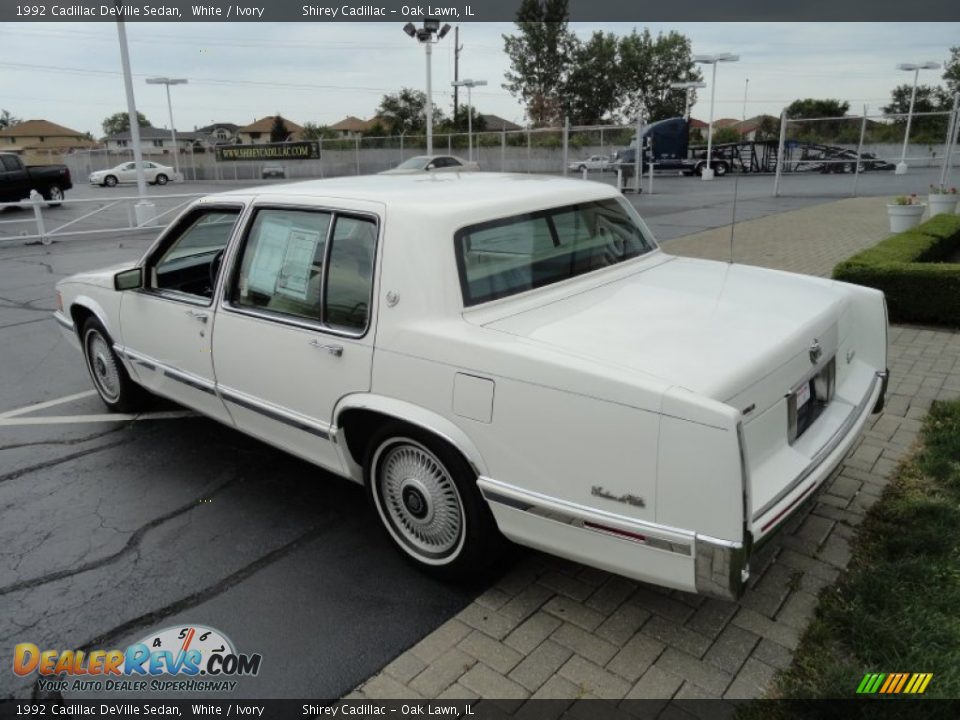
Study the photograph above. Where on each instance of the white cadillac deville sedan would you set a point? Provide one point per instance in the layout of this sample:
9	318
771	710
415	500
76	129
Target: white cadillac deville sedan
499	355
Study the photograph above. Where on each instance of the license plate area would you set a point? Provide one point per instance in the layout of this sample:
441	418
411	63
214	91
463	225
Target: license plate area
807	400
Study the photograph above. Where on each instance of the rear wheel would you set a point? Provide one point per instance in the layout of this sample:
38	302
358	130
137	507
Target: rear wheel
53	196
720	169
110	181
427	499
109	376
161	179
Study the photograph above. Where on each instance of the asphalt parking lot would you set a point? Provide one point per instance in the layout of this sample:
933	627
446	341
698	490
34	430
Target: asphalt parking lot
114	528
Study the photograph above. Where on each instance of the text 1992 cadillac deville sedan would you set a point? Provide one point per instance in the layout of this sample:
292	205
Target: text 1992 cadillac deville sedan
499	355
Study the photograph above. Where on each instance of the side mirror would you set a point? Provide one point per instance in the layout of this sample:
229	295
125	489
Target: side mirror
128	279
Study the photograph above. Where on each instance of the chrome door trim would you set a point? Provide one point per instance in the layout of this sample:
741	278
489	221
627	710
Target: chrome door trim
273	412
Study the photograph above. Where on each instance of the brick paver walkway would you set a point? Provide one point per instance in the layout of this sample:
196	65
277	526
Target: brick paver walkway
555	629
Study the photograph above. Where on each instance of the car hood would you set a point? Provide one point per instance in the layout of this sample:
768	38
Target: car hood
100	278
710	327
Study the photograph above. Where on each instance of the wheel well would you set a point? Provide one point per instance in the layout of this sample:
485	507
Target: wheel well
359	425
80	314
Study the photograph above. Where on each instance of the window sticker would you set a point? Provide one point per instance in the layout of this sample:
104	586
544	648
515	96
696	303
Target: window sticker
268	258
294	276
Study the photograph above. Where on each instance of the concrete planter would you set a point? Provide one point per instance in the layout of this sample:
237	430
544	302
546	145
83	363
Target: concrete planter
942	203
904	217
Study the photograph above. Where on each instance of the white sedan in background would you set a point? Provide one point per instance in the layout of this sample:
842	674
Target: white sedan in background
432	163
127	173
594	162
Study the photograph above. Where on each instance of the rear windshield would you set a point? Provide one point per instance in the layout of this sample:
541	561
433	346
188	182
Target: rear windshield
508	256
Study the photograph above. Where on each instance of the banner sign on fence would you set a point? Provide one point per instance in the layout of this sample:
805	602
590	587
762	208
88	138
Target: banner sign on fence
306	150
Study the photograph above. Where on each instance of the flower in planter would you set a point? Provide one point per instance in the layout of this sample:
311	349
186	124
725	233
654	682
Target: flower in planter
911	199
941	190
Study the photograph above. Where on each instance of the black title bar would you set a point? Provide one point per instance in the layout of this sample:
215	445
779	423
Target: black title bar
638	11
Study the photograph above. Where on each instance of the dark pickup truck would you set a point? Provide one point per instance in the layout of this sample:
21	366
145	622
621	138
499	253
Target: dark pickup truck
17	180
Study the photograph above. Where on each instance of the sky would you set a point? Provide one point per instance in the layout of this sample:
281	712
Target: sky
69	73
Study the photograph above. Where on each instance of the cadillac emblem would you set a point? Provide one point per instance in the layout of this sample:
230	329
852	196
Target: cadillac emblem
815	351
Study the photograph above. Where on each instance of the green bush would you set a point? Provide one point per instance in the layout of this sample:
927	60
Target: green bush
909	268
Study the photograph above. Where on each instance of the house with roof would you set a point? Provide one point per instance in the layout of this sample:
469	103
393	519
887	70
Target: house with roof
42	141
497	123
351	127
258	132
217	133
153	141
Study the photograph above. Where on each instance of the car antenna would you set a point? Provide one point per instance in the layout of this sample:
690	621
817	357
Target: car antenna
733	215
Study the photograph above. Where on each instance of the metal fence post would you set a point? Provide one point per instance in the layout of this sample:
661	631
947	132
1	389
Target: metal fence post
528	149
503	148
566	144
356	152
36	199
783	139
449	144
863	131
638	155
951	141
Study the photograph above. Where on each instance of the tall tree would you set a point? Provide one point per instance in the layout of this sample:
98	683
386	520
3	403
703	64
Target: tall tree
406	111
7	120
278	130
540	57
929	98
120	122
951	74
592	90
648	66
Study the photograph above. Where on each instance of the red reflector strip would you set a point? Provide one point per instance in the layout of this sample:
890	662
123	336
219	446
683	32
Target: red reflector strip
635	537
783	512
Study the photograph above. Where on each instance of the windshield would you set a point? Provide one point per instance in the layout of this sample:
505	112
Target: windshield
415	163
504	257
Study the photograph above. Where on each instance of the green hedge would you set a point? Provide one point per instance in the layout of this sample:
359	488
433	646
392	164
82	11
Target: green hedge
910	269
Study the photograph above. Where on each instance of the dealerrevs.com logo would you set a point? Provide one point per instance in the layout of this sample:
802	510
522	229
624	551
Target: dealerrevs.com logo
192	658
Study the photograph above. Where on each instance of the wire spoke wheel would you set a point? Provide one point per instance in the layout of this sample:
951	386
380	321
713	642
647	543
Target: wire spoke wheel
103	366
419	500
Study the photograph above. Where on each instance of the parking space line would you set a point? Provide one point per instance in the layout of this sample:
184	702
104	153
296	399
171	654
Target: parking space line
48	403
6	421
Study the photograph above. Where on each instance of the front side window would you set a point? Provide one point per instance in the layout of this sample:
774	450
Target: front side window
189	264
508	256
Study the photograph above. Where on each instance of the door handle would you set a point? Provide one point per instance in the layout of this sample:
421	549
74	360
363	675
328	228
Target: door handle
335	350
199	316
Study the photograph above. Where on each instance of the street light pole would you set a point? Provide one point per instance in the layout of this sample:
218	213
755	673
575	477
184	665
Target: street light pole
712	60
469	85
425	36
144	210
916	68
173	133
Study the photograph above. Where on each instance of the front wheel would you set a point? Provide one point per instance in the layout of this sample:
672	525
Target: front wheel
110	181
720	169
427	499
110	379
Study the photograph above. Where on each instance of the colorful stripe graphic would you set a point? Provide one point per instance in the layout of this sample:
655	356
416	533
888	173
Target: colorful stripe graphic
894	683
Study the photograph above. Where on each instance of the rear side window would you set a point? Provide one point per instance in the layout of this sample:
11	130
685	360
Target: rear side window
350	275
504	257
282	265
315	266
9	162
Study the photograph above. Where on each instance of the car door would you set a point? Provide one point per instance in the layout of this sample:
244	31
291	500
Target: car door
293	332
166	326
127	173
14	178
150	171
